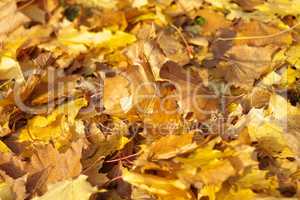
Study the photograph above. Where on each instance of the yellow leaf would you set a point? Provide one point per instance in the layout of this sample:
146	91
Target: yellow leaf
123	142
293	56
201	157
73	38
120	39
10	69
158	185
271	79
139	3
109	4
266	130
209	191
117	95
69	36
158	17
78	189
6	192
244	194
4	148
257	180
280	7
20	36
172	145
221	170
54	127
280	108
289	76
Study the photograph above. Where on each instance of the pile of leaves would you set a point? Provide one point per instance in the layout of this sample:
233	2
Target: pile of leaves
149	99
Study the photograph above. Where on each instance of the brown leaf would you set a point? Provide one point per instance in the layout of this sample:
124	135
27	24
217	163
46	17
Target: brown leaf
60	87
176	74
35	13
262	30
48	5
213	21
192	96
17	185
247	64
60	165
112	18
248	5
95	177
149	52
219	47
10	18
12	165
170	146
257	98
117	95
172	47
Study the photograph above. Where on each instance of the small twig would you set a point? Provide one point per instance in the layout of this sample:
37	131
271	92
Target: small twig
189	49
260	36
114	179
25	5
123	158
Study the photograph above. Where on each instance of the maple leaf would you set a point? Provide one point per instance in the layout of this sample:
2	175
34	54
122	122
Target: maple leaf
248	64
280	7
5	191
172	48
117	97
12	188
108	4
163	187
55	127
10	69
188	6
12	165
58	166
191	93
246	194
153	55
170	146
4	148
257	180
65	190
192	96
75	39
292	56
10	13
260	31
214	21
249	5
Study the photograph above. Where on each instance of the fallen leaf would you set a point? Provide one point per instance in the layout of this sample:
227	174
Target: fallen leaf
55	127
249	5
4	148
157	185
247	64
260	31
12	188
59	166
117	97
214	21
293	57
172	48
10	17
170	146
65	190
